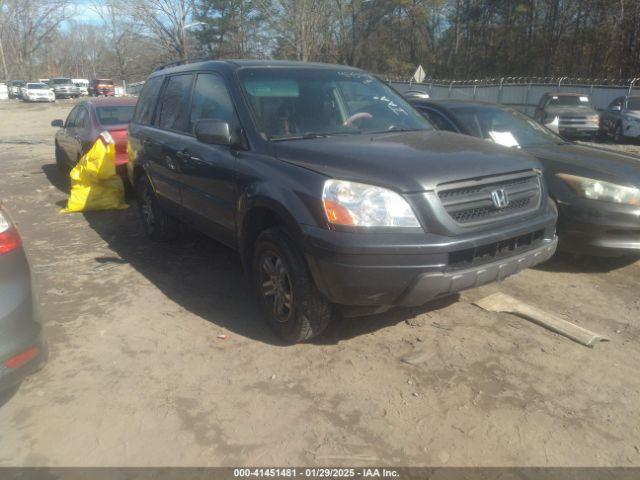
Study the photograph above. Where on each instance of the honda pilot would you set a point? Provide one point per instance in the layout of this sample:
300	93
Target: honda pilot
337	194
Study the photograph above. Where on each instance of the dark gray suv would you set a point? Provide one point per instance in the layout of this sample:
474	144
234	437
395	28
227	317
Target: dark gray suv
335	191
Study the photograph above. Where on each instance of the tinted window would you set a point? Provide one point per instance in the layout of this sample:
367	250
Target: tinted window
570	101
71	119
633	103
147	101
503	126
174	104
115	115
438	120
211	100
82	118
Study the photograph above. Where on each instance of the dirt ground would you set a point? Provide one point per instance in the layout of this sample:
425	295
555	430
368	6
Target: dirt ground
138	377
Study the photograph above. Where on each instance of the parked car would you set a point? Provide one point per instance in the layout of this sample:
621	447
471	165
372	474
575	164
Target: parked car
334	190
101	87
86	122
14	88
4	91
621	119
22	348
597	191
37	92
575	113
64	88
82	84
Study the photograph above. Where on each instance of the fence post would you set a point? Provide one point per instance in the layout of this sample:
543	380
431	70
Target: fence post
526	98
631	85
499	99
450	87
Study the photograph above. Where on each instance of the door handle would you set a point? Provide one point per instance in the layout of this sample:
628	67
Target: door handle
187	157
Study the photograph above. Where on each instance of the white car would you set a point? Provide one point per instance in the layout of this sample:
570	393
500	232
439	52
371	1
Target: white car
38	92
82	84
4	91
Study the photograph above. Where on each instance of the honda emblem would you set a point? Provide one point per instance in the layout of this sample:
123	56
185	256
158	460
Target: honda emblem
500	198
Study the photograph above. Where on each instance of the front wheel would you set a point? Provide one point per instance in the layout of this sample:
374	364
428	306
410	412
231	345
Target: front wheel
61	163
157	223
290	300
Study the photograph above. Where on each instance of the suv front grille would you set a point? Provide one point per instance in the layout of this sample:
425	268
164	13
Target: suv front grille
471	202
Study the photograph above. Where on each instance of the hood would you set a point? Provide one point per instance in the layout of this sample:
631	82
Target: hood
404	161
590	162
577	111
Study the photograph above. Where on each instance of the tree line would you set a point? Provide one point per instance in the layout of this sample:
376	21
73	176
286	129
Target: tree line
454	39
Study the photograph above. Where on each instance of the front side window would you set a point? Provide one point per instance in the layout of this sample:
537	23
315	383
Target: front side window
504	126
147	101
290	103
71	119
174	104
211	100
82	118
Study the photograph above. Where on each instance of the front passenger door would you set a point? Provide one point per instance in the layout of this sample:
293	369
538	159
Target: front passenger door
208	172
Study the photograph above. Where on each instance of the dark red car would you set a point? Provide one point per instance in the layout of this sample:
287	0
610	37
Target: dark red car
86	122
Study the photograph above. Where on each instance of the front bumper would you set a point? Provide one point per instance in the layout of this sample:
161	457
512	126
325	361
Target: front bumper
596	228
384	270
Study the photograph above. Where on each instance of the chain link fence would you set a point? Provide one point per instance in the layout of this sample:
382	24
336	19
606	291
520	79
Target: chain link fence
523	93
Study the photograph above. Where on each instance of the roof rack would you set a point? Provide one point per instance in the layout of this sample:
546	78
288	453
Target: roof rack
183	61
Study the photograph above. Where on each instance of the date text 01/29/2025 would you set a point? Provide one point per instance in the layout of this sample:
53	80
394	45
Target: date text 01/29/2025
315	473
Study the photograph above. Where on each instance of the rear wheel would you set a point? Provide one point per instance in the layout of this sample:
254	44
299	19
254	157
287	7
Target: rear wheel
157	223
618	136
290	301
61	161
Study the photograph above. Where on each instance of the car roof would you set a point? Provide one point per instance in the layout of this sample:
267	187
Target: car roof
237	64
111	101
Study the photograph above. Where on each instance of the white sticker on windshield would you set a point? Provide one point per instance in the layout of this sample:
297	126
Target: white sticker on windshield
584	99
394	107
504	138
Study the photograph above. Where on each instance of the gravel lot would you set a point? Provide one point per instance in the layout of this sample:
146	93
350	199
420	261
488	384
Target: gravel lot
137	375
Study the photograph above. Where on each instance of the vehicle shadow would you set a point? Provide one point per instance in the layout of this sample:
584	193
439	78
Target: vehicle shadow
7	394
206	278
56	178
567	263
342	328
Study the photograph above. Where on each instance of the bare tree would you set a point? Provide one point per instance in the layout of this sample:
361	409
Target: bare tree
166	20
29	25
119	29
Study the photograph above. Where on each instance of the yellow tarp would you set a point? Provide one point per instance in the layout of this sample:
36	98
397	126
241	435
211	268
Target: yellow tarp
94	182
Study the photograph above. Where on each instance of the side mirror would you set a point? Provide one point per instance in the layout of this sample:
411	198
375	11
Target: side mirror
57	123
616	108
214	132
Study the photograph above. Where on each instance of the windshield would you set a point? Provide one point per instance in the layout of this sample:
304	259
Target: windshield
115	115
291	103
633	103
61	81
570	101
37	86
504	126
104	82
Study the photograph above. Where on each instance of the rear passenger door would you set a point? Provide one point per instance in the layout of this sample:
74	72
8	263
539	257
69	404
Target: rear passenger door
169	136
208	172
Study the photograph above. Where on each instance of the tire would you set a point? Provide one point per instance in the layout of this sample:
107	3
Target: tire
61	162
158	224
289	299
618	136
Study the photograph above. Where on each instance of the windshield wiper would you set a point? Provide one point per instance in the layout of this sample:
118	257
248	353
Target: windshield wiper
393	128
309	135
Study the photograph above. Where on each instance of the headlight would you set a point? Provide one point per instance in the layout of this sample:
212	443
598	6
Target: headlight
599	190
360	205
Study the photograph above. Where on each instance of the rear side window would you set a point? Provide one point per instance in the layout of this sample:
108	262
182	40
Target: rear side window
147	101
174	104
211	100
